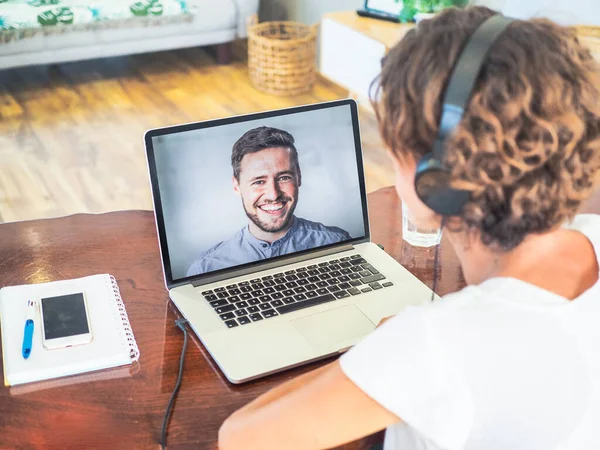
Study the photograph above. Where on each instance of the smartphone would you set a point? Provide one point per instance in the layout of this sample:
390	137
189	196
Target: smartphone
65	321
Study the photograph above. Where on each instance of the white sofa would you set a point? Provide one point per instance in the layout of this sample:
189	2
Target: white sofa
216	22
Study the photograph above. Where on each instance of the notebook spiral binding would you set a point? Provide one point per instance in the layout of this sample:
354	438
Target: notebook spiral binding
134	352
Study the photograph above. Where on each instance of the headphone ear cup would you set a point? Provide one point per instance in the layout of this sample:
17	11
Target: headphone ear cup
432	185
430	179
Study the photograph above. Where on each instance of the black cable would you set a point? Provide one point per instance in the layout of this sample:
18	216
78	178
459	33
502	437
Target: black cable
163	437
435	259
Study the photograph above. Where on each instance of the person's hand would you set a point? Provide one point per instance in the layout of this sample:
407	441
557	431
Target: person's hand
382	321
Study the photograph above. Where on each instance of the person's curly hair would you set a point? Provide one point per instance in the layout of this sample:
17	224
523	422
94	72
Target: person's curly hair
528	147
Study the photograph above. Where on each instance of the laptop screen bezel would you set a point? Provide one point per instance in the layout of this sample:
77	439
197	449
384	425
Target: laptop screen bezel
281	260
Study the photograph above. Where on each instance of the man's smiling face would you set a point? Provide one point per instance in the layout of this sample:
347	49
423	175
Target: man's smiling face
268	184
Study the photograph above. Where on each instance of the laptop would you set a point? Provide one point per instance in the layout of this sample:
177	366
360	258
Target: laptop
264	237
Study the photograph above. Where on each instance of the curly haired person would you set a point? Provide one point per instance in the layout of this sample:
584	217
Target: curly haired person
513	360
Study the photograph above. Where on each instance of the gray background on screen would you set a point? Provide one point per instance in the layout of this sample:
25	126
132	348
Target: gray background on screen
201	208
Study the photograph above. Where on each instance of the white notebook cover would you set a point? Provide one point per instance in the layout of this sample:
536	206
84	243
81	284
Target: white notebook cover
113	343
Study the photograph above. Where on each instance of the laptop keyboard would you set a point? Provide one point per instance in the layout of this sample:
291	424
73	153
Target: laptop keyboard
292	290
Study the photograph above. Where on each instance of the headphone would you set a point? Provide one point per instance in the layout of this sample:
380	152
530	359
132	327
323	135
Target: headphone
432	178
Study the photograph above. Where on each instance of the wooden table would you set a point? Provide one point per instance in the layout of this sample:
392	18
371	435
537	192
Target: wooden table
123	408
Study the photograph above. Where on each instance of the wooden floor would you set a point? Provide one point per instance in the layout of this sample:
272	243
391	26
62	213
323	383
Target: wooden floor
71	134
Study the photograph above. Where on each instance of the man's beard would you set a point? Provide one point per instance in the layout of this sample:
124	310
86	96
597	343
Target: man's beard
268	227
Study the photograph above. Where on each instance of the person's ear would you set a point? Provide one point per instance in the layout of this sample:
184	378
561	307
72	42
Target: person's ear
299	177
236	185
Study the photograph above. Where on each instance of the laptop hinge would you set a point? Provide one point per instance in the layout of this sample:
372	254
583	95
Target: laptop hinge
271	265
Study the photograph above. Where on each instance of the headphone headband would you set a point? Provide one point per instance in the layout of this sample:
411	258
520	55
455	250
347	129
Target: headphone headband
433	177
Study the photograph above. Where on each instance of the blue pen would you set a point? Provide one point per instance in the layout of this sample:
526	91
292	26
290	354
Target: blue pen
28	332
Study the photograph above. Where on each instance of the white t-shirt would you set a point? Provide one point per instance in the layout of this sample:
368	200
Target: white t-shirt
501	365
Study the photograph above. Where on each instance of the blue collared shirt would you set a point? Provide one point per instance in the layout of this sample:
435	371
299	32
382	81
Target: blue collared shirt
244	248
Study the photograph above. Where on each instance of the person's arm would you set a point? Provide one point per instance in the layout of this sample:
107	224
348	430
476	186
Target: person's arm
320	409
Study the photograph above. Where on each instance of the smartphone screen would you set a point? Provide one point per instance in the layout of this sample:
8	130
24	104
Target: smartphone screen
64	316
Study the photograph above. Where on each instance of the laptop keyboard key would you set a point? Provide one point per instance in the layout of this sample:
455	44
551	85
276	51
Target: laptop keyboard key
264	306
243	320
335	273
268	290
222	295
341	294
367	289
372	278
255	317
288	300
288	293
302	282
322	284
313	273
246	296
234	299
314	279
344	278
264	298
224	309
353	291
322	291
291	284
277	295
358	261
257	293
256	280
220	289
280	287
269	313
227	316
231	324
299	297
325	276
218	303
268	283
291	278
253	301
207	292
388	284
365	273
211	297
257	286
323	264
241	312
345	265
346	271
311	287
376	286
234	292
334	266
333	288
242	304
300	290
276	303
231	286
370	268
244	283
354	276
345	285
246	289
356	283
347	258
332	282
305	304
253	309
311	294
289	272
312	266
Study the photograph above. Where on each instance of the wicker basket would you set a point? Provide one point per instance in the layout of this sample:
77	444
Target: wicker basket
282	56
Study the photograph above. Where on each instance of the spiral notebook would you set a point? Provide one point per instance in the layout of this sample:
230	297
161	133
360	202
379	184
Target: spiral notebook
113	342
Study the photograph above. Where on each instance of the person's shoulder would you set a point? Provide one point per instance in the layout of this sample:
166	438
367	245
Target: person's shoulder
317	227
205	261
588	224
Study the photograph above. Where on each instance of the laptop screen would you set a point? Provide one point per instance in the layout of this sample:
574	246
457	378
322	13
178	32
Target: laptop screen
234	192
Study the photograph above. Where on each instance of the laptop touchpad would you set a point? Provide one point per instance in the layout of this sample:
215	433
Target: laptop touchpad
334	329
